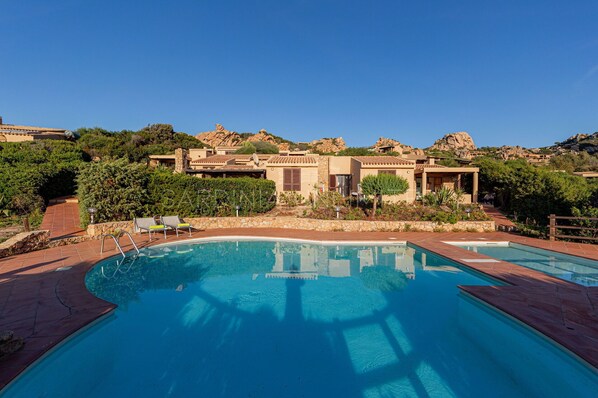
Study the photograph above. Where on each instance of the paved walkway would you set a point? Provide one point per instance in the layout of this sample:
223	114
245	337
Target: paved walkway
501	221
62	219
43	297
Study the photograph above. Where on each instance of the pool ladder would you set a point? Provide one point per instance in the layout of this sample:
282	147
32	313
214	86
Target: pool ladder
116	241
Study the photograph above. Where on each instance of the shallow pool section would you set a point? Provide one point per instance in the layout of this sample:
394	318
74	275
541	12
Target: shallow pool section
570	268
290	319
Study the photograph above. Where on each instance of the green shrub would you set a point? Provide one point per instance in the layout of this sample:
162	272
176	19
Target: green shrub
189	196
291	198
120	191
117	190
383	184
531	192
31	173
329	199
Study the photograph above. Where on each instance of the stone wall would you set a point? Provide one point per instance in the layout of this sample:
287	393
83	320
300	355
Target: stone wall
25	242
97	230
180	160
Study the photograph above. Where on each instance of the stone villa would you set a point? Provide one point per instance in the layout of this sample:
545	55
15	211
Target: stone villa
16	133
307	173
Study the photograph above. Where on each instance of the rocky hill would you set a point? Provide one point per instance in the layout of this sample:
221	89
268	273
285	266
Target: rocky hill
461	144
328	145
578	143
220	137
223	137
389	145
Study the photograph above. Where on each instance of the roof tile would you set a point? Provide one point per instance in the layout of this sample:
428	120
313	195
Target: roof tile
383	161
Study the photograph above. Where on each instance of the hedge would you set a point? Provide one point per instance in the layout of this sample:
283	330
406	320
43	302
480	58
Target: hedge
31	173
121	191
117	190
190	196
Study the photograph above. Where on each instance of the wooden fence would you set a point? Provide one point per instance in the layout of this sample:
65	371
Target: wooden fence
553	231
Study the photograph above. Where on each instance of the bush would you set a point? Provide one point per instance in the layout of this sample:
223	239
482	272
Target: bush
120	191
443	197
117	190
31	173
257	147
291	198
383	184
329	199
531	192
189	196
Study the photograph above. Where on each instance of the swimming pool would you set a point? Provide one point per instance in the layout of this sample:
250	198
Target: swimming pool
289	319
570	268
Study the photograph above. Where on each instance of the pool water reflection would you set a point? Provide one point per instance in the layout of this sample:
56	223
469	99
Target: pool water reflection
288	319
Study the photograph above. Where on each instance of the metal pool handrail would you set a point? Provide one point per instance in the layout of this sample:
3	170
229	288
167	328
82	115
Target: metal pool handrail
131	238
115	242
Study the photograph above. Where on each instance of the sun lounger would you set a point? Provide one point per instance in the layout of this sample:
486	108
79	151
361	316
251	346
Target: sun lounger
174	222
150	225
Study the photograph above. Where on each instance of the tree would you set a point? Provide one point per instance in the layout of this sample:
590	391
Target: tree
357	151
257	147
383	184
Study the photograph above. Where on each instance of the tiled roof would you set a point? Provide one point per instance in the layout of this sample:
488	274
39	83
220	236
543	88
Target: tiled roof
237	167
11	128
221	159
422	166
293	160
383	161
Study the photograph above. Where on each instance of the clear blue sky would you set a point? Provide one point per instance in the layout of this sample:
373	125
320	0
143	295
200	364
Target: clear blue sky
508	72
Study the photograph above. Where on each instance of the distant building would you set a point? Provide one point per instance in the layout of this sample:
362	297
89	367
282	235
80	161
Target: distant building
587	174
309	173
17	133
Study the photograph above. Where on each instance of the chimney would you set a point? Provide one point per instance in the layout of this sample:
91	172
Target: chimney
180	160
0	119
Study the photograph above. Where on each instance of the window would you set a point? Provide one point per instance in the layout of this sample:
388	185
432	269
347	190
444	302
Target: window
332	182
393	172
291	180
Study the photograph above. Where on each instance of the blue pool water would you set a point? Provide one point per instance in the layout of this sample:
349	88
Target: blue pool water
282	319
570	268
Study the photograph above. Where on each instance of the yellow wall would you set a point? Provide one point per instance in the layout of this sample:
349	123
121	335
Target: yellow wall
407	174
309	178
340	165
15	137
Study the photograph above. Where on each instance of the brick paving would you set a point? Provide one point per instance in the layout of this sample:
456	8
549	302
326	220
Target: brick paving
501	221
43	297
62	219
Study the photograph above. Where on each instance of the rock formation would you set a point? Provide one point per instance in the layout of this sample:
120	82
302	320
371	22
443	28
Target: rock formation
512	152
461	144
578	143
389	145
264	136
328	145
220	137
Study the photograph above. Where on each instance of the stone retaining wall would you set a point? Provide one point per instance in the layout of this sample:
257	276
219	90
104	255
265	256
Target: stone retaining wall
97	230
25	242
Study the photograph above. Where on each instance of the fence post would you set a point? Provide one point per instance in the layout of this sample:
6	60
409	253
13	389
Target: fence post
552	227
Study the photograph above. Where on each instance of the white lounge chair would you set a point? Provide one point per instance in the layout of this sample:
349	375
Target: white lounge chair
174	222
150	225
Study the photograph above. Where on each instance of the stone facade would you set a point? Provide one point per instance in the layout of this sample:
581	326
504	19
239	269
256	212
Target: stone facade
25	242
180	160
323	172
310	224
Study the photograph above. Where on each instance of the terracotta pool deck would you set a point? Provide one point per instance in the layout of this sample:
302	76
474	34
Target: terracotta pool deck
43	297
